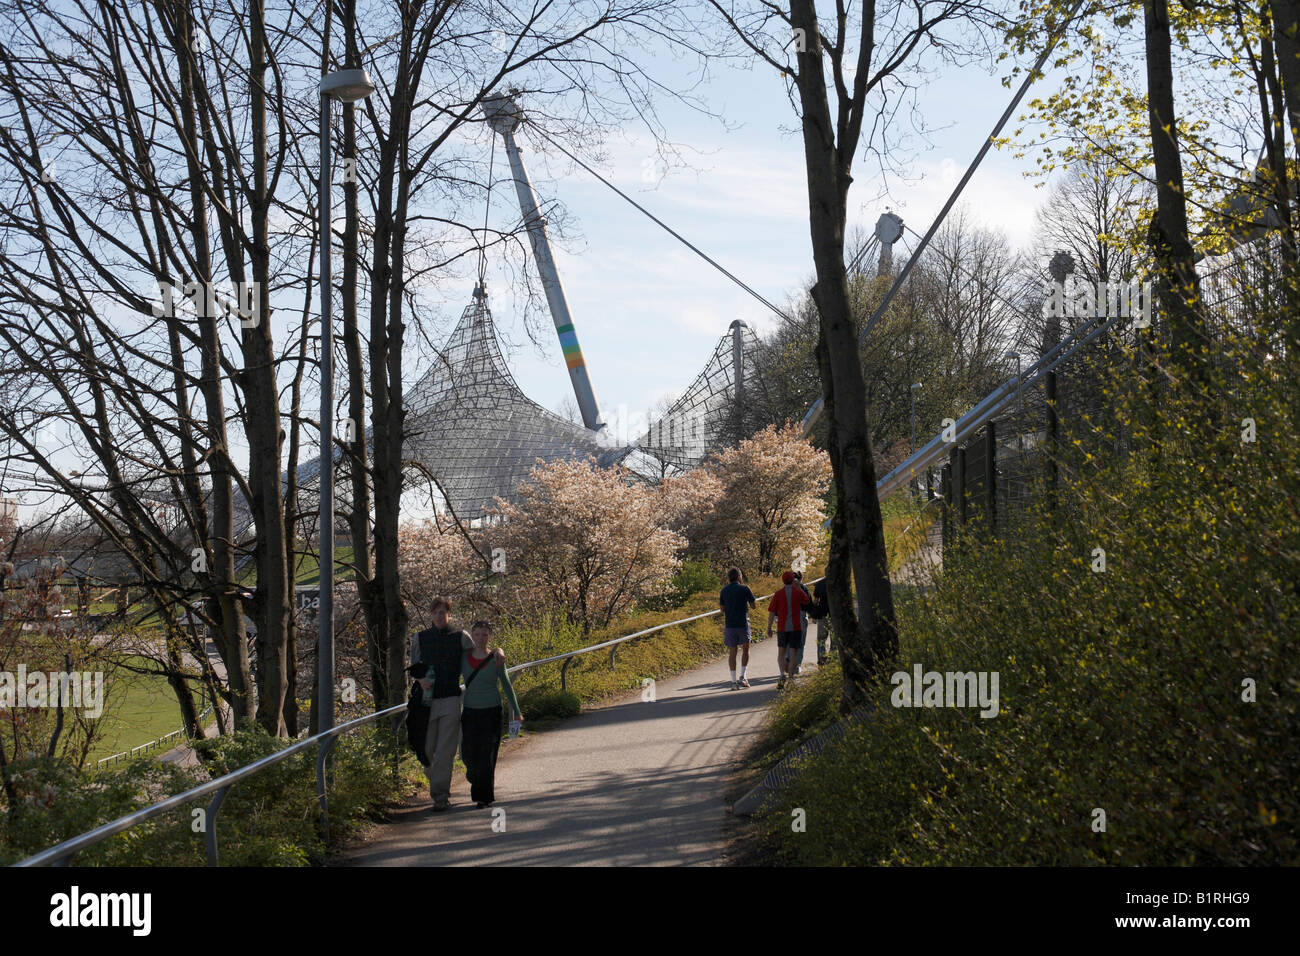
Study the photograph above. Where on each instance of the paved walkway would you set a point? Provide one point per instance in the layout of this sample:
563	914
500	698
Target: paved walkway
632	783
920	569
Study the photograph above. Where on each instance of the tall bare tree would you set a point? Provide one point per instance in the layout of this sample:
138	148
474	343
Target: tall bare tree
865	49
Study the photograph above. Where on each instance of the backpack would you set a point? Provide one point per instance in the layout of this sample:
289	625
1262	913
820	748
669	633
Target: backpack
819	608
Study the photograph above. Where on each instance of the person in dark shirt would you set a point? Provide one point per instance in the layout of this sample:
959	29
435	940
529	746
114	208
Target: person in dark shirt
736	599
820	612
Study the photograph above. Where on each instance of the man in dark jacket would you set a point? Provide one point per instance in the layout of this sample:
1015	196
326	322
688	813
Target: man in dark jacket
821	613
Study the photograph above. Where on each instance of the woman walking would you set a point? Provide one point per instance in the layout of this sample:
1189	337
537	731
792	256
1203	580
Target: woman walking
480	721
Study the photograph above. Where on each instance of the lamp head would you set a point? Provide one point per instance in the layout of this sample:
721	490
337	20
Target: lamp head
502	112
346	86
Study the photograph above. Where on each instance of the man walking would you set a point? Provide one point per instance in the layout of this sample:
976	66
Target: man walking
736	599
435	661
786	608
803	621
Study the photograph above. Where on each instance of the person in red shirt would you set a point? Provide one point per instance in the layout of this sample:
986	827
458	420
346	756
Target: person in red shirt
785	610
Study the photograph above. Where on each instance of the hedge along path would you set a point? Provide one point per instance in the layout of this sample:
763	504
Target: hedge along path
638	782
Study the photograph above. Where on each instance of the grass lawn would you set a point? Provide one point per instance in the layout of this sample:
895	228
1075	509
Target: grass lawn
138	708
308	571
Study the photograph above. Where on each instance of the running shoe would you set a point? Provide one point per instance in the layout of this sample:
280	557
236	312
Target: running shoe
780	684
733	686
744	682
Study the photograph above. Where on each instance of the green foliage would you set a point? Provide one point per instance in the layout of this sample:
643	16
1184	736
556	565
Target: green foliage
57	801
270	819
691	578
546	703
1121	690
810	705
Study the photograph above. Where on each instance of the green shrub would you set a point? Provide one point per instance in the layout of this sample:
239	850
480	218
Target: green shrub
269	819
1122	691
57	801
690	579
544	703
809	705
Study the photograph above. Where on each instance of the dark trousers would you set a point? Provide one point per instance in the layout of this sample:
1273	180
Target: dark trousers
480	739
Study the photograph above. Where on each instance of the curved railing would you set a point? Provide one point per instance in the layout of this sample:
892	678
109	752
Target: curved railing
62	853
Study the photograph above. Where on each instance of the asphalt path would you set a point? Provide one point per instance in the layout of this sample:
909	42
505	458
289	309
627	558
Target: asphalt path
633	783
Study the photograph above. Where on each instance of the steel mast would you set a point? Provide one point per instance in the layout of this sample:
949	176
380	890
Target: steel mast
503	115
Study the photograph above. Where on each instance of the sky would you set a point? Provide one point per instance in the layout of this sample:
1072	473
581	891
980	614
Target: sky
647	310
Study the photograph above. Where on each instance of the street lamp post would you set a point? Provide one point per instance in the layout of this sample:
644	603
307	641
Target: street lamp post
346	86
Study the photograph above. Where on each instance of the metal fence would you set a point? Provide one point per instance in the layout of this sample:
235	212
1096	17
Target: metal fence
1030	434
165	742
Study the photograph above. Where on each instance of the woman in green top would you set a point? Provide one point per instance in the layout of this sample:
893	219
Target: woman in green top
480	720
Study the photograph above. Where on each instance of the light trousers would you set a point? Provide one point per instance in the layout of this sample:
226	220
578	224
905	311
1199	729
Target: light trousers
440	745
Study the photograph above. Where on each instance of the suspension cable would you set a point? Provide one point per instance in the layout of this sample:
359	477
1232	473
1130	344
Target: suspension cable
970	171
487	206
663	225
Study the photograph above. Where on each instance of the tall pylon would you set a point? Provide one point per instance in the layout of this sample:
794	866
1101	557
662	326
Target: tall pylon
503	115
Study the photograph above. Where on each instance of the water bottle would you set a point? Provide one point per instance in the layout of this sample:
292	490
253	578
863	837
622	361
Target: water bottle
514	728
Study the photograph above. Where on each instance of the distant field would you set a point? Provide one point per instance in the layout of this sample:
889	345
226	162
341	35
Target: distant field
138	709
308	572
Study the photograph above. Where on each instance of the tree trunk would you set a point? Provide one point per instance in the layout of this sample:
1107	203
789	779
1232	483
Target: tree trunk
358	453
839	573
1286	39
223	606
271	598
869	646
1179	283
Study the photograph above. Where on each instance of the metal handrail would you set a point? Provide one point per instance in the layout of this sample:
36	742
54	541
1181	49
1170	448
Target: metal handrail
933	450
61	854
613	644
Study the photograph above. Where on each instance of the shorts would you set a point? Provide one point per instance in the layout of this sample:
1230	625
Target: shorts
735	636
790	639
